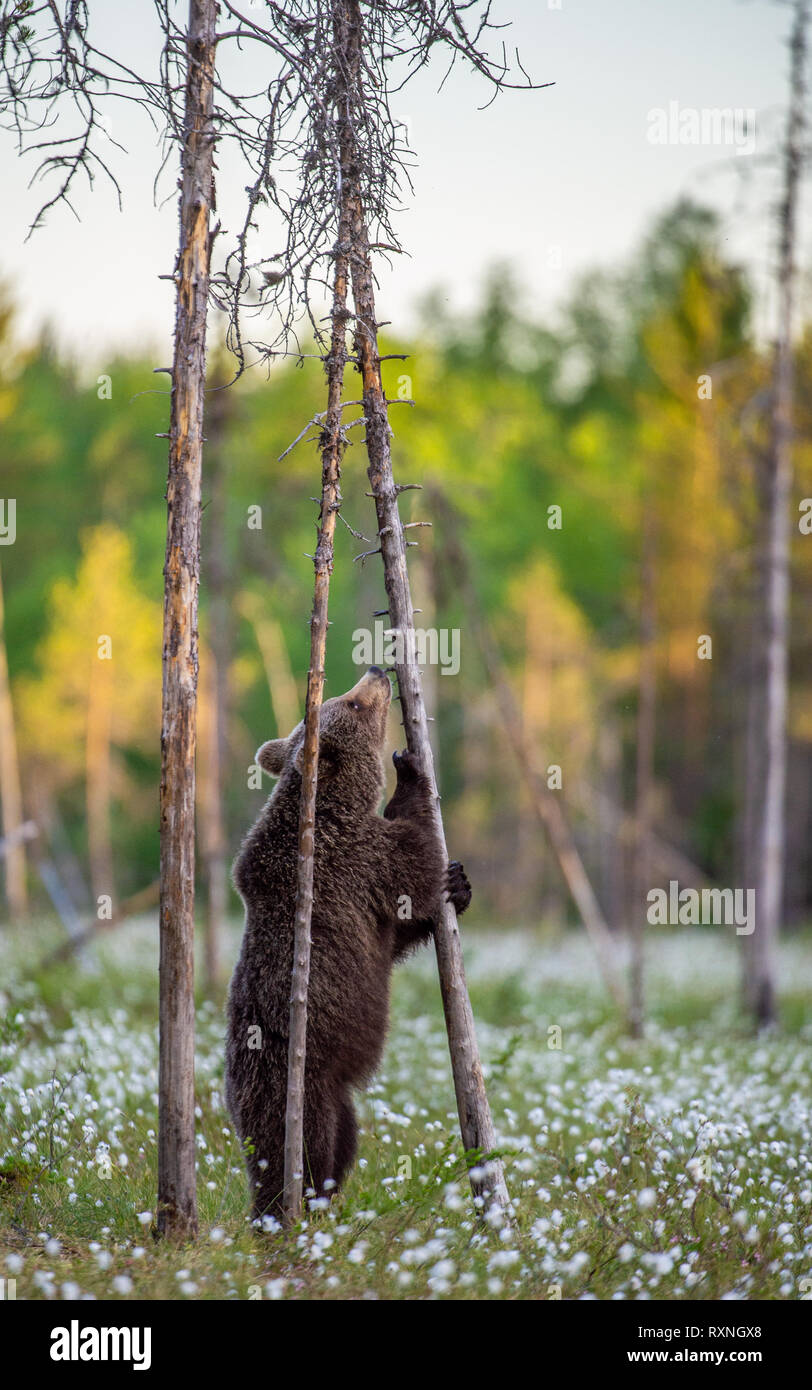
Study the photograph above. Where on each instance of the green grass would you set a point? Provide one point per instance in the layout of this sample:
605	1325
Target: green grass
678	1167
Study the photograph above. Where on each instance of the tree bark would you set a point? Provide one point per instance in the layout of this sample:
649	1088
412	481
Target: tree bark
177	1205
776	574
478	1133
332	442
10	790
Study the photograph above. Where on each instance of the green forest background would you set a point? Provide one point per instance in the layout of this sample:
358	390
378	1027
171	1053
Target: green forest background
641	410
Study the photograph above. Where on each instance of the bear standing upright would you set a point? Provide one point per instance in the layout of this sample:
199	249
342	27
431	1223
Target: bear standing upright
378	887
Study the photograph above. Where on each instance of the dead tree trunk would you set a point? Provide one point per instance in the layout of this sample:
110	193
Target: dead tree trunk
478	1133
332	445
177	1205
647	693
10	790
776	570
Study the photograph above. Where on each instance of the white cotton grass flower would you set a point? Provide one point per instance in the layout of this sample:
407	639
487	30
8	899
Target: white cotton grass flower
216	1234
503	1259
14	1264
53	1247
69	1291
275	1289
123	1284
646	1198
145	1217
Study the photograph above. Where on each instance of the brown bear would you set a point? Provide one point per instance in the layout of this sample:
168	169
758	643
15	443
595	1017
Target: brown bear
378	886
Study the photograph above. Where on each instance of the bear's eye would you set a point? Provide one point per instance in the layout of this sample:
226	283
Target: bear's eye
355	705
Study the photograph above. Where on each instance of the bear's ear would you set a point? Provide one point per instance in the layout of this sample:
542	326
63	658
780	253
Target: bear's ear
271	756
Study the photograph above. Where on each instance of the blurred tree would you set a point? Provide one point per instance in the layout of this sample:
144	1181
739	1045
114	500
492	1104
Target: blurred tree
94	698
774	664
10	791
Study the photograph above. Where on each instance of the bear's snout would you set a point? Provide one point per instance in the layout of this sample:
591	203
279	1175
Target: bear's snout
373	690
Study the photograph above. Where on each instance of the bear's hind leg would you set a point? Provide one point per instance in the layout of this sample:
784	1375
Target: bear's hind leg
320	1123
268	1185
346	1140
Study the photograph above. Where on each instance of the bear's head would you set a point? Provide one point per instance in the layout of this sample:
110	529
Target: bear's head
352	734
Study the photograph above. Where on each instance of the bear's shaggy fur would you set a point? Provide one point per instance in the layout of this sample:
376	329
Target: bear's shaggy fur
365	867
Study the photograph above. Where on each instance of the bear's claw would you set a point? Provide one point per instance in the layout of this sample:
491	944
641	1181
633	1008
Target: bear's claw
457	886
406	766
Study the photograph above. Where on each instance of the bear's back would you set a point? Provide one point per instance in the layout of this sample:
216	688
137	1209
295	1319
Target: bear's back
351	946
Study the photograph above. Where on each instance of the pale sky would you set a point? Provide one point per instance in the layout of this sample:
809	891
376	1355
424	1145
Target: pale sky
553	181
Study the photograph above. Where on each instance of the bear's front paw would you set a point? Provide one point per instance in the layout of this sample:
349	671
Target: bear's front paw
407	766
457	886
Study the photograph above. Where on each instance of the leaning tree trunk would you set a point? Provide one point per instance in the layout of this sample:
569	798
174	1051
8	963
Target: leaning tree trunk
332	441
644	774
177	1205
10	791
478	1133
776	575
544	801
